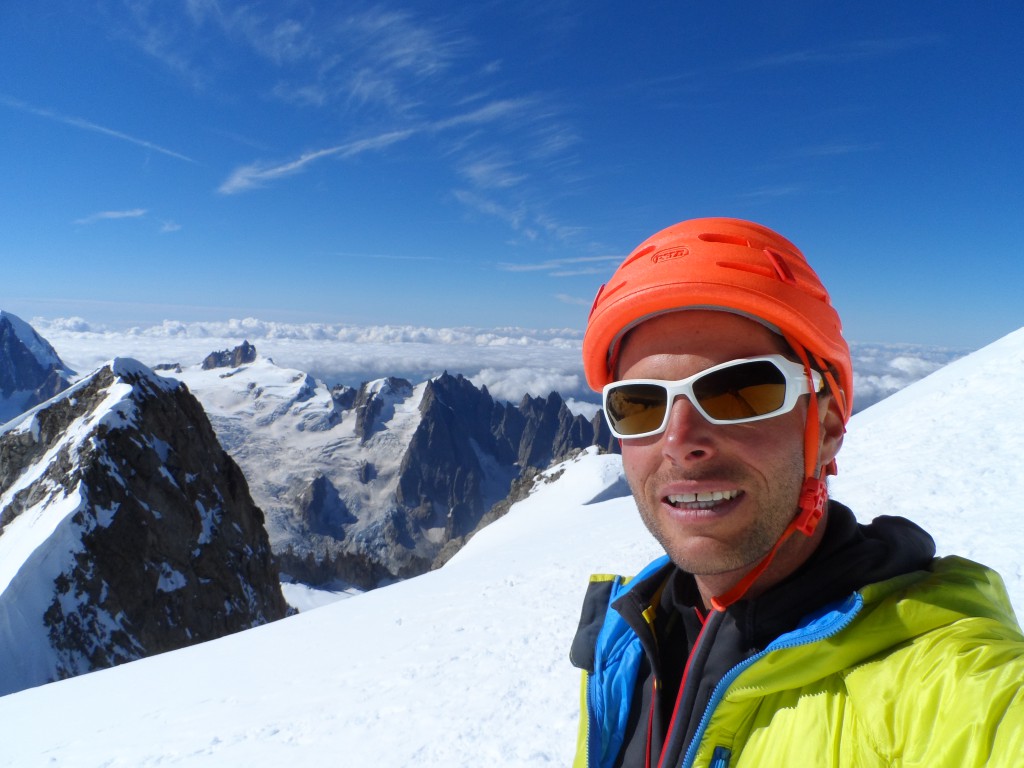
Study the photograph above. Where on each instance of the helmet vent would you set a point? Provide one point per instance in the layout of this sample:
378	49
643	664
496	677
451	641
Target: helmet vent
782	270
639	254
708	237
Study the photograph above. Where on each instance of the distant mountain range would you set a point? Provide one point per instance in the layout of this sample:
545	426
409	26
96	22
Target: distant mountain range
381	482
126	522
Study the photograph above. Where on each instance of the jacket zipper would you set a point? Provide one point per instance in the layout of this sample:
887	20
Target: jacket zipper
720	758
681	692
847	615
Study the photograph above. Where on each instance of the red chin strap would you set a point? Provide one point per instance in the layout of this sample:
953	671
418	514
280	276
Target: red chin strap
811	505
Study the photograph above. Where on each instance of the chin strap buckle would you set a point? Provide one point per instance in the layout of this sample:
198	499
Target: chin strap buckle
813	496
812	505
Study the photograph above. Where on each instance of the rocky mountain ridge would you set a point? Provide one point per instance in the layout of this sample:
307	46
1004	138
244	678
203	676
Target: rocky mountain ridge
125	530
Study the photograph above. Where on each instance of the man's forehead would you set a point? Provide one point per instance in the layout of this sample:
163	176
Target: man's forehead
680	331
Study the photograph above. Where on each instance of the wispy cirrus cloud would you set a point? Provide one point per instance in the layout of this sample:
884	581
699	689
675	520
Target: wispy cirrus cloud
405	72
318	55
836	149
772	193
493	172
574	301
527	220
87	125
134	213
571	267
856	50
514	216
493	111
258	174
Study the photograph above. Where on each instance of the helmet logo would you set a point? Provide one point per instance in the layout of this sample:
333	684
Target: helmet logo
671	253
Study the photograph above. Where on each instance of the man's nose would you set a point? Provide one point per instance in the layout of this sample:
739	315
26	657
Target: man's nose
688	435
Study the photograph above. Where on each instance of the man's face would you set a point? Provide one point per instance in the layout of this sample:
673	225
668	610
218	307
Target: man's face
717	497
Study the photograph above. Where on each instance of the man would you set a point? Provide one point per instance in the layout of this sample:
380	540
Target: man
776	631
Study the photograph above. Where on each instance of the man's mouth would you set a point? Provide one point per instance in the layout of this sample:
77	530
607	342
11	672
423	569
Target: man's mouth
702	500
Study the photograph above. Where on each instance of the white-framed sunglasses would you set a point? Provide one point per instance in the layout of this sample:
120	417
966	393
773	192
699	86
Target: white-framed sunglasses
735	392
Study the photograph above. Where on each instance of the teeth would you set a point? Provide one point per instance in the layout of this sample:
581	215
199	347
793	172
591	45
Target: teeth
703	497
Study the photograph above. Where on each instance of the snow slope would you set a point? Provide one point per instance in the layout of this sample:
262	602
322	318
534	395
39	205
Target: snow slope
946	452
467	666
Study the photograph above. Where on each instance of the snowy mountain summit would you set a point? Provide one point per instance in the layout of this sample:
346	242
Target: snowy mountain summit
30	369
125	530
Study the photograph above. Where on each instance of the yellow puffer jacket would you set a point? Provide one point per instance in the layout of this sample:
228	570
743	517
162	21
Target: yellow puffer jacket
925	669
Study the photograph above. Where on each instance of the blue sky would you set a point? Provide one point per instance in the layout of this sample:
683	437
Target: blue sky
487	164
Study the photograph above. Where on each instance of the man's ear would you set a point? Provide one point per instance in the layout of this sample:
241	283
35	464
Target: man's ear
831	431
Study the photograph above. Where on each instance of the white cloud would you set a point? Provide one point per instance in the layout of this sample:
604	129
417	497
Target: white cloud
506	384
855	50
87	125
510	361
577	265
257	174
338	353
504	109
58	324
771	193
576	301
513	216
882	369
492	172
134	213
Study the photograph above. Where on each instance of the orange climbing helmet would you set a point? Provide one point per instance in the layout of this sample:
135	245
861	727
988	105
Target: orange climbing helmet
741	267
722	264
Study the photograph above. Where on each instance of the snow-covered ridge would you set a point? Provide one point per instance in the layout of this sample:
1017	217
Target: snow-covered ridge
38	544
126	530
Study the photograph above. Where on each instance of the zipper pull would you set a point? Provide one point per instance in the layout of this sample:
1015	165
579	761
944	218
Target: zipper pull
720	757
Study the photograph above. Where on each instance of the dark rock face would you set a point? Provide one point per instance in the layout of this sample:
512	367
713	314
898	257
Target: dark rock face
28	376
417	487
231	358
441	478
468	450
374	406
168	547
344	397
324	510
603	437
